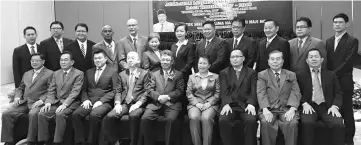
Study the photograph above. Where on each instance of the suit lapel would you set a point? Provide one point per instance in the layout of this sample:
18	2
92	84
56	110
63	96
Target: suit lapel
130	42
271	75
107	51
341	43
282	79
210	45
67	76
242	74
154	55
41	73
240	43
305	47
161	78
52	40
92	76
323	82
271	45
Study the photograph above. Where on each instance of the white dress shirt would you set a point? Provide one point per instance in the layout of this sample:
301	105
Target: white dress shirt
36	72
337	40
112	45
179	44
99	73
35	47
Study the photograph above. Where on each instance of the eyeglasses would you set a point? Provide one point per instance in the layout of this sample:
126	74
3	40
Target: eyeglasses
35	60
81	31
56	28
301	27
237	56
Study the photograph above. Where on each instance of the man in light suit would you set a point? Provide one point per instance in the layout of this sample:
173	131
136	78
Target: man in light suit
270	43
241	42
165	88
213	46
132	42
22	54
61	100
163	25
278	97
130	99
238	100
341	54
109	46
81	48
302	44
29	96
97	97
54	46
321	99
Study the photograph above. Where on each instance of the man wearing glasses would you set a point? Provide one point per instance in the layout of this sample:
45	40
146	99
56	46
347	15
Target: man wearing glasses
54	46
241	42
302	44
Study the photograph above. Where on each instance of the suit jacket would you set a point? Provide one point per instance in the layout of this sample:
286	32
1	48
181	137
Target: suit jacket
50	49
270	96
216	50
248	47
277	43
174	87
65	90
184	60
151	61
196	94
80	62
330	87
21	62
139	92
238	93
298	58
32	91
126	45
113	58
104	90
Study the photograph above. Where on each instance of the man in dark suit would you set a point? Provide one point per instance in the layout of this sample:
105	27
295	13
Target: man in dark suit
302	44
109	46
165	89
239	100
81	48
22	54
54	46
97	97
278	97
132	42
30	94
341	54
270	43
241	42
213	46
130	99
61	98
321	99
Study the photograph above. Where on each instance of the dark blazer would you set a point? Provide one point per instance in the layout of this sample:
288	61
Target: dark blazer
50	49
151	61
21	62
238	93
183	62
65	91
126	45
104	90
216	50
330	87
278	43
113	58
80	62
32	91
248	47
139	91
174	87
270	95
298	59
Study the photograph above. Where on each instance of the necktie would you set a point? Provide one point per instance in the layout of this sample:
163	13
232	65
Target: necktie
278	79
237	73
130	89
317	90
60	45
32	49
337	40
166	74
82	49
299	46
161	28
135	43
267	44
34	76
64	76
110	49
97	75
235	43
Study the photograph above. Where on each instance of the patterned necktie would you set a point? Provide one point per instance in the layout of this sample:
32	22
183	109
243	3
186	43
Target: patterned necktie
235	43
278	79
82	49
97	75
60	45
110	49
135	43
34	76
129	98
166	74
267	44
317	89
300	46
32	49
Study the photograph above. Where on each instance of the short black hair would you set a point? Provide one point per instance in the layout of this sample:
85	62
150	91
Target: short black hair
275	51
209	22
99	51
181	24
57	22
42	57
314	49
167	53
272	20
67	52
81	25
29	28
341	15
204	56
241	20
307	20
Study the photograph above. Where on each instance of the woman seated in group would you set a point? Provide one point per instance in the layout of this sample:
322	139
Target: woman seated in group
203	96
151	57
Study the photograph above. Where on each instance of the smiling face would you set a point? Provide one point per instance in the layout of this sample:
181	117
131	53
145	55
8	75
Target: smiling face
314	59
154	43
37	62
203	65
81	33
99	60
270	29
133	27
166	62
181	33
162	18
208	31
133	59
65	61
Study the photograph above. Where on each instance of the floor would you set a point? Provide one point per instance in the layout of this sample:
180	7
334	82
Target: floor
5	89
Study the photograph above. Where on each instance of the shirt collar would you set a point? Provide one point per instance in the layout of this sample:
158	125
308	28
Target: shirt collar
239	38
274	72
303	39
38	71
107	44
29	45
210	40
239	70
340	36
170	71
136	37
134	72
67	72
319	69
85	42
270	40
183	43
103	67
56	39
208	75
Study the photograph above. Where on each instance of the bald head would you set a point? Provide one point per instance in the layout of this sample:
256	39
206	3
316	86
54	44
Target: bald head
106	27
107	33
133	27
